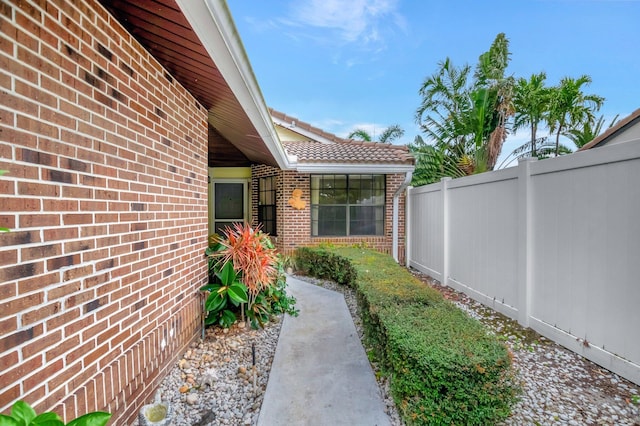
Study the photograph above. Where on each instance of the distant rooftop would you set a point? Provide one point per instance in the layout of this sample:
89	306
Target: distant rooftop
318	146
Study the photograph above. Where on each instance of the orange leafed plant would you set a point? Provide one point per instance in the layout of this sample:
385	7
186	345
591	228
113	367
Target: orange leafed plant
252	255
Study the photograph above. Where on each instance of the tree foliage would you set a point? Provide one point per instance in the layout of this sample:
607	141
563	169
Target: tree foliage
388	135
569	107
587	131
531	103
466	118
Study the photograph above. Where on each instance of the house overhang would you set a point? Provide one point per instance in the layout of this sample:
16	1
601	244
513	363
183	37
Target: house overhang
621	126
197	43
211	20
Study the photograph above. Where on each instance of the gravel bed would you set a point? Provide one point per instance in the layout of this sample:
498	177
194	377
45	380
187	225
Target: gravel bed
213	383
560	387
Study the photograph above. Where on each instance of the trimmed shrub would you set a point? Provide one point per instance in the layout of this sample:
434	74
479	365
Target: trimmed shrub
445	368
321	263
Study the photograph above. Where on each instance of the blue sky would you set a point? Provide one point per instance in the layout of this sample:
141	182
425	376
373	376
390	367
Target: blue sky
345	64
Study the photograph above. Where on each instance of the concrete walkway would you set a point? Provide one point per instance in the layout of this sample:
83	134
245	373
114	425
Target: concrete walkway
320	373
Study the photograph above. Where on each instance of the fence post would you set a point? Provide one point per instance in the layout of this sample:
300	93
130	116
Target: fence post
525	242
445	230
407	227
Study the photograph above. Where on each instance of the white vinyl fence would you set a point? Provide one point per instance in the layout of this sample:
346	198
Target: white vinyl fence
554	244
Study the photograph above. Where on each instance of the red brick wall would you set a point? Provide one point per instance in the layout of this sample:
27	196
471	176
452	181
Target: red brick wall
106	197
294	226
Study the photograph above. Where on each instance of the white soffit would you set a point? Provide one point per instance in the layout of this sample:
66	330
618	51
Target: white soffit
212	22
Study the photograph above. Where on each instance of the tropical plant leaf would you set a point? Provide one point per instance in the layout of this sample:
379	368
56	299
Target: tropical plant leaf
47	419
210	251
258	312
250	253
214	302
227	318
97	418
23	412
9	421
209	287
211	318
238	294
360	134
391	133
227	275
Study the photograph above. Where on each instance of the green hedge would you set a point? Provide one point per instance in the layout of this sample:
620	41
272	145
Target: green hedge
445	368
322	263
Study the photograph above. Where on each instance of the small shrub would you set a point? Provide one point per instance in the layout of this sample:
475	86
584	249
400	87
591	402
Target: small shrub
445	368
252	255
273	299
280	302
245	271
23	415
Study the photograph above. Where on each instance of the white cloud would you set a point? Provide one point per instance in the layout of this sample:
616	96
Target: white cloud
352	21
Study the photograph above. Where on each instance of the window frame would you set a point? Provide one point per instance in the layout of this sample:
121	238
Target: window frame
348	205
273	207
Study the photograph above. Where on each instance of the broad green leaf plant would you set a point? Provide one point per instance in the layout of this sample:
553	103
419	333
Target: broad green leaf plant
228	290
23	415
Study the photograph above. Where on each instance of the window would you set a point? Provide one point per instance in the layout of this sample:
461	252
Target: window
267	204
229	204
344	205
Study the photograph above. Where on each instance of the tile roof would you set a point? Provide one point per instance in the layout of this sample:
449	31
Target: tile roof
349	152
340	150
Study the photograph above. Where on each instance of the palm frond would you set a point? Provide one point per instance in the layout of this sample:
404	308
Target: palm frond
360	134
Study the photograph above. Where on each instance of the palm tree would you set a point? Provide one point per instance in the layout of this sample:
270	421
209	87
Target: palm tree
432	164
391	133
445	95
543	148
587	131
428	168
570	107
490	74
360	134
468	123
531	101
387	136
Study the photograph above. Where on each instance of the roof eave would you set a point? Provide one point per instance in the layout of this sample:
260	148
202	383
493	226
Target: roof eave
212	22
620	126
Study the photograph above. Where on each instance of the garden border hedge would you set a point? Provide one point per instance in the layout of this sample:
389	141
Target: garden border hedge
444	367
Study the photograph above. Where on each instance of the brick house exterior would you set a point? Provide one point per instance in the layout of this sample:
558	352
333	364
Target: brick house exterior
313	151
107	139
106	197
294	226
